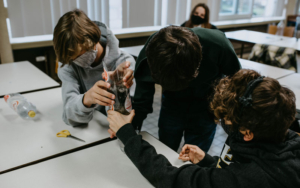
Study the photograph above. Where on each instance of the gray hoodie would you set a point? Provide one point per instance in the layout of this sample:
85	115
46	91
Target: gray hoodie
76	80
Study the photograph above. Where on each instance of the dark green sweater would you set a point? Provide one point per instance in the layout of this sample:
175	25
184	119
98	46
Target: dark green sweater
218	59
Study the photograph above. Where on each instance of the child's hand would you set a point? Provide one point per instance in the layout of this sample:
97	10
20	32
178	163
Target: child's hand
112	133
122	69
191	153
98	94
117	120
128	78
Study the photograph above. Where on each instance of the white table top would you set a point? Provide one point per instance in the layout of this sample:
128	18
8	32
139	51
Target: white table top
103	165
293	83
22	77
252	36
133	50
288	42
24	141
265	70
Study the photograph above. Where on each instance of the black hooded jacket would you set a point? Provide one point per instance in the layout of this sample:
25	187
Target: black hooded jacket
241	165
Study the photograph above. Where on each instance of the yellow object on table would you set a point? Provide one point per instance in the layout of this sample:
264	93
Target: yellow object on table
66	133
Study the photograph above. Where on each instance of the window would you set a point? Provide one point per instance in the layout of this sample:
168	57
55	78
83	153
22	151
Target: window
115	14
239	9
229	7
31	18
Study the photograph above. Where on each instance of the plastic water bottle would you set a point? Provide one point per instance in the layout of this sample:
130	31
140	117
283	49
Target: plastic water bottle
280	28
122	101
20	104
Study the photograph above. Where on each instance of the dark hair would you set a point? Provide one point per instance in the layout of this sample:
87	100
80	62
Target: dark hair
174	54
74	33
273	106
206	23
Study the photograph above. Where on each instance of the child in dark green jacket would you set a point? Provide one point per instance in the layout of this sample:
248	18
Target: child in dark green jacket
185	62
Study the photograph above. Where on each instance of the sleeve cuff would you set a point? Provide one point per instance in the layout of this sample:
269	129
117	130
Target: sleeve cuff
81	106
126	132
207	160
137	122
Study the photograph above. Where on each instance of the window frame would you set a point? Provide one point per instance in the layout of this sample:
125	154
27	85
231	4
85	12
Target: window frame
235	16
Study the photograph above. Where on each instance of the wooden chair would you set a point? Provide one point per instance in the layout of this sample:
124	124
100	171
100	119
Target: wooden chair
272	29
288	31
56	66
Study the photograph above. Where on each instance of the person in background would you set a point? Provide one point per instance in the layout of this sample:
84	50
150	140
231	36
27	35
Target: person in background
82	47
199	17
260	150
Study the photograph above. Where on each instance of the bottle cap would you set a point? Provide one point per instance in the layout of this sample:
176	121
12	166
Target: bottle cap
6	97
31	114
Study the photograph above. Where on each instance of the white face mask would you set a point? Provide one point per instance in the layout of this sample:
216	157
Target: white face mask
86	59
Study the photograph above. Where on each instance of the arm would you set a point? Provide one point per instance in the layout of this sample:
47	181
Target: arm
74	113
160	173
229	62
143	97
209	161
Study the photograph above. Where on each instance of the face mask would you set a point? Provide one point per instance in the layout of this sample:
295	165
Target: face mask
226	128
197	20
237	135
86	59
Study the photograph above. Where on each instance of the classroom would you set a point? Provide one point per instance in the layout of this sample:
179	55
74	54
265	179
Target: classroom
150	93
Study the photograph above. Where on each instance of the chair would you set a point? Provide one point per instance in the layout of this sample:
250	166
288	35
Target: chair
56	66
288	31
275	56
272	29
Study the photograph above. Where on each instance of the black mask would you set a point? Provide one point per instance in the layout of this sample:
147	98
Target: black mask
227	128
197	20
237	135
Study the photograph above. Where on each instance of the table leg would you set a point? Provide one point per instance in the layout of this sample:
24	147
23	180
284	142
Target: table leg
242	50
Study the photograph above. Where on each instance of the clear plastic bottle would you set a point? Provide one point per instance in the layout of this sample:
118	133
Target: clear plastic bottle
123	103
280	28
20	105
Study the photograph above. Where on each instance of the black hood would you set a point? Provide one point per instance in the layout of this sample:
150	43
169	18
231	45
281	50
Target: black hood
280	161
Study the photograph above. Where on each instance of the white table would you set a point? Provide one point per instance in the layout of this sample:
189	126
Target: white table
265	70
24	141
103	165
133	50
293	83
253	37
23	77
288	42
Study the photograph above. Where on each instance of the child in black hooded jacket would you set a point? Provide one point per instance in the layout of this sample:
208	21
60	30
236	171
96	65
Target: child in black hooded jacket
260	150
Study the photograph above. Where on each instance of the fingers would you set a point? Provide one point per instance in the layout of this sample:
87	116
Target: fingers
129	82
184	157
111	113
185	148
126	64
101	90
131	115
103	100
112	133
103	84
128	74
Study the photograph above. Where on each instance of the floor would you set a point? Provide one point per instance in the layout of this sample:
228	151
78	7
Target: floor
151	126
